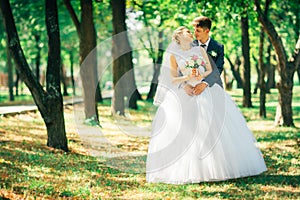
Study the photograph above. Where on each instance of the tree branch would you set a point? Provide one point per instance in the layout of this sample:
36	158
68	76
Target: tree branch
270	30
17	52
234	72
73	15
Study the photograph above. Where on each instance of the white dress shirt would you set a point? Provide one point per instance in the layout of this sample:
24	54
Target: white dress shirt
206	43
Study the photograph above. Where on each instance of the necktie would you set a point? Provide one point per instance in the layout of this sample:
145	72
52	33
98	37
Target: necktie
203	45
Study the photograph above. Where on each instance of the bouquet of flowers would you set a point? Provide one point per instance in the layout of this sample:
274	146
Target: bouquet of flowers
194	63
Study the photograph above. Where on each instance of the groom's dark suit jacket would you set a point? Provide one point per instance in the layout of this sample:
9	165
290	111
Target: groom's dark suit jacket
215	51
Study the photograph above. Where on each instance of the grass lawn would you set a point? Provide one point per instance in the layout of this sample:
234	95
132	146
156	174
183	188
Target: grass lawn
109	163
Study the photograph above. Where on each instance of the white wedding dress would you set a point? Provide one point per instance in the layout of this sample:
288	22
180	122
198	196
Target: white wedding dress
200	138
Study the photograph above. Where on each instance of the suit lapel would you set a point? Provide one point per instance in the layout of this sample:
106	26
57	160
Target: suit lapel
211	45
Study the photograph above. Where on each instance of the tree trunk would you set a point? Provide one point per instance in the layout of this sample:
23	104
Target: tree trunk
286	70
156	67
118	103
154	82
262	66
54	102
246	55
38	56
228	82
99	97
258	75
235	71
10	74
237	75
72	73
64	80
48	102
123	74
17	82
270	70
262	84
88	57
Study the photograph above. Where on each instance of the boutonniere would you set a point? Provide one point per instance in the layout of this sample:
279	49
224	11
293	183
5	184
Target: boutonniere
213	53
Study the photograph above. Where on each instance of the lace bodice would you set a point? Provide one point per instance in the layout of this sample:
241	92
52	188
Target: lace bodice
184	57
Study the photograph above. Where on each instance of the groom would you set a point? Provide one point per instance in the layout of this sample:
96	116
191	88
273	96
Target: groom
202	26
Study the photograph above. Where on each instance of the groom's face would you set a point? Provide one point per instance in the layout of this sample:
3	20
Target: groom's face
200	33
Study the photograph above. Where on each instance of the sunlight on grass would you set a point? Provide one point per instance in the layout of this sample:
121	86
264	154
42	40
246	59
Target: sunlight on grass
31	170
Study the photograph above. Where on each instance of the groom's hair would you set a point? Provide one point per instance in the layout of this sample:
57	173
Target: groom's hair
203	22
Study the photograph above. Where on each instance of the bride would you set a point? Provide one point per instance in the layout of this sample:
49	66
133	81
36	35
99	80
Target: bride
197	138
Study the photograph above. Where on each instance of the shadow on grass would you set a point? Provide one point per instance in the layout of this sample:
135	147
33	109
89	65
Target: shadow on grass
279	136
42	172
242	188
124	173
276	180
264	184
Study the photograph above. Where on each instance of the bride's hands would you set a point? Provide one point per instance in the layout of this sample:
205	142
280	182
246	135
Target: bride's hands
199	77
199	88
189	89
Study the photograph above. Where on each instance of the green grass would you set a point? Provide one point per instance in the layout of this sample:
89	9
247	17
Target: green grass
19	100
31	170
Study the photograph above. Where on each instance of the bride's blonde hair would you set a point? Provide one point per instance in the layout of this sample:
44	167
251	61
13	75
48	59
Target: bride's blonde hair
177	33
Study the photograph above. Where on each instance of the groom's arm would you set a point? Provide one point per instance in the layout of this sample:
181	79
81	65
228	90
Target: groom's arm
214	76
217	66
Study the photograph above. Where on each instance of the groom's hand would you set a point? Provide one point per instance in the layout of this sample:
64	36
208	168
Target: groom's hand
189	89
199	88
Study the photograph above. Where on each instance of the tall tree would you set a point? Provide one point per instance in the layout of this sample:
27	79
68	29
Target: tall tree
262	69
123	75
88	56
246	61
285	68
261	75
270	69
56	126
72	72
256	62
49	101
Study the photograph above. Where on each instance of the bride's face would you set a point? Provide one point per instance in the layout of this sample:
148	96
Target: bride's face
187	36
